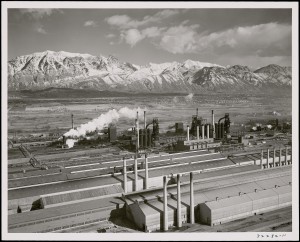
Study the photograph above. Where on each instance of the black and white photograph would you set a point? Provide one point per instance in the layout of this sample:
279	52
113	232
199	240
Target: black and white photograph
150	121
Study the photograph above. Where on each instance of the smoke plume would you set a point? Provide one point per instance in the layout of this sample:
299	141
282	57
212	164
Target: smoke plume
189	97
111	116
70	142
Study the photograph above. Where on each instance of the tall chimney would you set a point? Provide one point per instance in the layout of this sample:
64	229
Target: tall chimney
197	112
192	216
261	159
280	153
125	175
137	130
268	155
198	132
207	131
72	121
286	152
274	157
135	174
146	172
202	131
188	133
213	123
179	222
165	210
145	130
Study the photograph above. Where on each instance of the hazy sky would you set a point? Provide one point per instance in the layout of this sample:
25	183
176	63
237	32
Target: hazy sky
254	37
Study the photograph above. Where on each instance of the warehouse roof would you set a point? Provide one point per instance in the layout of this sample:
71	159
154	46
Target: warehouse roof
262	194
228	202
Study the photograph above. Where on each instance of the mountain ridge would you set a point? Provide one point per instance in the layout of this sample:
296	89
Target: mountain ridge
84	71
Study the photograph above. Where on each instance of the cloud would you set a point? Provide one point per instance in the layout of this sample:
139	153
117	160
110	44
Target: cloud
133	36
39	28
126	22
271	39
39	13
90	23
109	36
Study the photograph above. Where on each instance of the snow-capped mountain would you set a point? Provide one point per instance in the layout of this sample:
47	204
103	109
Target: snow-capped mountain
72	70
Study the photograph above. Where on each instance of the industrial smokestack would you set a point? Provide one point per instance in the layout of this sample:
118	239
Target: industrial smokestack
135	174
202	131
198	136
280	152
179	222
286	152
137	130
146	172
268	155
213	122
165	209
197	112
72	121
188	133
125	175
207	131
192	217
274	157
145	129
261	159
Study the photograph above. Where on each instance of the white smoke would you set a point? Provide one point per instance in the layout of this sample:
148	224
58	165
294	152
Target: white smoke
189	97
70	142
104	120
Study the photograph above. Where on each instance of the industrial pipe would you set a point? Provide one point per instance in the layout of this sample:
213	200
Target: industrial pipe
165	209
207	131
72	121
198	136
268	155
274	157
286	152
213	123
280	156
146	172
261	159
188	133
202	131
145	129
137	130
135	174
179	222
125	175
192	216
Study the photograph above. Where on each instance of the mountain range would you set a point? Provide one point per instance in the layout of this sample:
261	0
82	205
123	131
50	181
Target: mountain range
62	69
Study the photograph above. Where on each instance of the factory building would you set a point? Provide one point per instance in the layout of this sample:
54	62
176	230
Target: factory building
244	205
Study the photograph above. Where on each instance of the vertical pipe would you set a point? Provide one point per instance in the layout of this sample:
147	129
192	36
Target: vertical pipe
138	132
165	210
72	121
202	131
135	174
274	157
198	132
192	216
125	175
197	112
280	153
145	130
213	123
146	172
286	152
261	159
268	155
179	222
207	131
188	133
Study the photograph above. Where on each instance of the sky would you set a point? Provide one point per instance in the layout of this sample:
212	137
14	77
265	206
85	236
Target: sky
252	37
